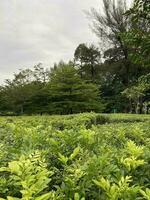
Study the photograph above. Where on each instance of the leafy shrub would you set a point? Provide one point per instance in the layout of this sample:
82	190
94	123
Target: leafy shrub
89	158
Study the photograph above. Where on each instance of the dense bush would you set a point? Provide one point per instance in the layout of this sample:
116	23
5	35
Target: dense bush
75	157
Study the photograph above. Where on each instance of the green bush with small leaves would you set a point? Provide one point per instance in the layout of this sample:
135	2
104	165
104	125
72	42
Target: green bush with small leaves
76	157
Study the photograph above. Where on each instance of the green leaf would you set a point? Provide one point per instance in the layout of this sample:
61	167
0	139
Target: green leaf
14	167
103	183
76	196
146	194
75	153
63	159
12	198
44	196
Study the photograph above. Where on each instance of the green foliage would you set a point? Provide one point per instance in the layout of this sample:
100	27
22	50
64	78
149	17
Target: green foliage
70	94
138	94
138	37
96	78
121	189
83	160
57	91
146	194
133	152
87	59
30	176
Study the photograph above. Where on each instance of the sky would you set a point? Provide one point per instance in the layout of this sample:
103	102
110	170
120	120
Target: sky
42	31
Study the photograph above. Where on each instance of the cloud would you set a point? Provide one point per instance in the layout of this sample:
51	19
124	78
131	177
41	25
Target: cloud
41	31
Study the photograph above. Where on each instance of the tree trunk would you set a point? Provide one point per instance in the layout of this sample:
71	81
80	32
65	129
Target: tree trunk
131	109
141	105
71	111
22	110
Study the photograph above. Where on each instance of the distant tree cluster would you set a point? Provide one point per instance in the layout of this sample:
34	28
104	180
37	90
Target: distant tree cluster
59	90
112	78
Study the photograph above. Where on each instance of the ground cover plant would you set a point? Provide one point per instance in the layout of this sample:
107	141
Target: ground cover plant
75	157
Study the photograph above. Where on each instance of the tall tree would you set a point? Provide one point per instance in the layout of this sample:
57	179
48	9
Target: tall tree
71	94
139	95
41	74
17	95
108	26
138	36
87	58
18	90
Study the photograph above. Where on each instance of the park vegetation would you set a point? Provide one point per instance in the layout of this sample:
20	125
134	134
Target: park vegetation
114	77
77	152
75	157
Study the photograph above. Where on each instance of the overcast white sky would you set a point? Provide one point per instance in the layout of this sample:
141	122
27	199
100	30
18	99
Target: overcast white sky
46	31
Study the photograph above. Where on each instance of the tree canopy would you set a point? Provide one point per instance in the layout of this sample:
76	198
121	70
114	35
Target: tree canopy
112	76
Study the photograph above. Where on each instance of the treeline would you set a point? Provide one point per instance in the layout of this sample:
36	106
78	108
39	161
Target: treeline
59	90
113	79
